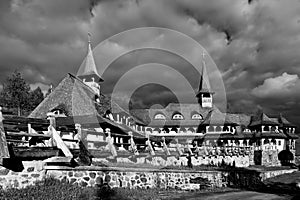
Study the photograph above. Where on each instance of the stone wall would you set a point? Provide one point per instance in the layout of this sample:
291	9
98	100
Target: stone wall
269	174
270	158
134	177
33	171
140	178
163	161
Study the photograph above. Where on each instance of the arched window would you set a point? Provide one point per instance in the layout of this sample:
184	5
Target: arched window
58	113
60	110
196	116
177	116
159	116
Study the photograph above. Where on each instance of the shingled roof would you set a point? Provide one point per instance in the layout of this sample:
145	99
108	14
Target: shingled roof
204	82
89	69
76	97
282	121
216	117
262	119
241	119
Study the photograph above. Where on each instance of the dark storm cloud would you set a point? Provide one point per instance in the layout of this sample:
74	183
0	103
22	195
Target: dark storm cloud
255	44
40	38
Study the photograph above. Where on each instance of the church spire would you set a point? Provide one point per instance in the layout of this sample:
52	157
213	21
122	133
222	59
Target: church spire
203	83
89	74
204	94
89	71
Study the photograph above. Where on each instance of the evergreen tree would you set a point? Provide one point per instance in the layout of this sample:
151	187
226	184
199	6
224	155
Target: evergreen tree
15	93
35	98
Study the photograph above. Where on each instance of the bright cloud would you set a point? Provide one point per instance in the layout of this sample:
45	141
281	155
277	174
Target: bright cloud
286	85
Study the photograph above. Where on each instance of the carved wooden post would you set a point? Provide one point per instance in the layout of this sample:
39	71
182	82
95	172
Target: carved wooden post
205	149
81	135
110	143
51	118
132	144
4	153
178	148
165	148
150	148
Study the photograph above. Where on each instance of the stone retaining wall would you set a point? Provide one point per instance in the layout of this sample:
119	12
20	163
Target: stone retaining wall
33	171
134	177
163	161
139	178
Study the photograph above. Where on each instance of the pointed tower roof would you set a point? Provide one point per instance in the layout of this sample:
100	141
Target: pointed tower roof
203	83
89	67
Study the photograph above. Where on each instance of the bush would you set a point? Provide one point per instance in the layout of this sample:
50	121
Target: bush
49	189
52	189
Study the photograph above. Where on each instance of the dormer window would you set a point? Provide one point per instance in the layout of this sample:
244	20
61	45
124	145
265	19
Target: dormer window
177	116
196	116
56	112
159	116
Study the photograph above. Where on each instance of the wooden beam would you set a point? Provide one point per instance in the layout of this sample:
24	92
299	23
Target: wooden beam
28	134
60	143
58	160
26	153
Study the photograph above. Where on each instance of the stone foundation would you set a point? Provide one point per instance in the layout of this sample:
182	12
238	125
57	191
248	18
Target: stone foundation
33	171
134	177
164	161
270	158
139	178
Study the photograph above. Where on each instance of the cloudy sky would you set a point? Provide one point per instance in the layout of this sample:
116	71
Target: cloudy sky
254	44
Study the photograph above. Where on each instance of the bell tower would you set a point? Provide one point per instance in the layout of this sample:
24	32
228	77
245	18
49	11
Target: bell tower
89	74
204	94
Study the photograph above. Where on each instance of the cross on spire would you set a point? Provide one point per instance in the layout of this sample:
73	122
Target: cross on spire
89	37
203	54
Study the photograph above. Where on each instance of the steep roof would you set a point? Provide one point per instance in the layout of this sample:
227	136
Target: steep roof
76	97
262	119
204	82
89	69
241	119
216	117
283	121
269	134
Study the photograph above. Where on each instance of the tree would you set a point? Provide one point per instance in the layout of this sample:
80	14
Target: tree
35	98
15	92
